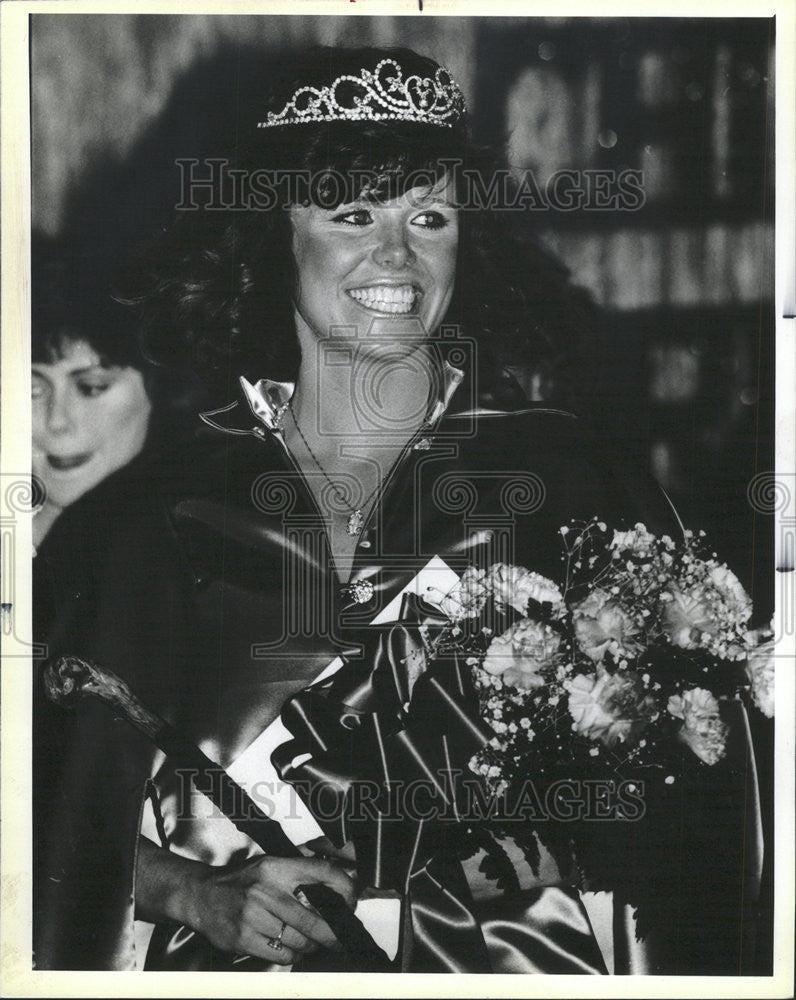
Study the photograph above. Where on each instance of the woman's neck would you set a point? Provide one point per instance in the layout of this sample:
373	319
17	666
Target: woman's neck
354	409
370	399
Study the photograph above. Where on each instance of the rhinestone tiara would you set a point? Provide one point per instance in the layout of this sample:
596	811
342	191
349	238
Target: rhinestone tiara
380	95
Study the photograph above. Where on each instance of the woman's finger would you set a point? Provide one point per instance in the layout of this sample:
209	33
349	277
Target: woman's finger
262	946
323	848
327	872
297	942
277	879
303	920
287	874
270	925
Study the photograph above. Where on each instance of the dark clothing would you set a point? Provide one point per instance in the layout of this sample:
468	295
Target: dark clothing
209	586
108	586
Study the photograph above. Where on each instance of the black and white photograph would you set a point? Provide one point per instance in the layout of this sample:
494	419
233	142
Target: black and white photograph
404	560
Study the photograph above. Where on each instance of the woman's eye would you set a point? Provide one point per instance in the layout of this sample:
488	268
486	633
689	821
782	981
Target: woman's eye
93	388
430	220
357	217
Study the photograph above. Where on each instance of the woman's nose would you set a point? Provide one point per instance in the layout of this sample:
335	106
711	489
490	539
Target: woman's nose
60	416
393	249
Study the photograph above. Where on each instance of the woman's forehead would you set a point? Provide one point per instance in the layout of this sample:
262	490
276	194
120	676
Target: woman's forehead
426	192
70	354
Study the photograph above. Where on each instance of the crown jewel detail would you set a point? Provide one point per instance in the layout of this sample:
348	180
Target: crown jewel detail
380	95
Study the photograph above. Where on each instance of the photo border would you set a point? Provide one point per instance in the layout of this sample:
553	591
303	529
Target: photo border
16	977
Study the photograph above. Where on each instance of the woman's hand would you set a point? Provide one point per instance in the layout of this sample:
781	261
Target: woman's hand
241	908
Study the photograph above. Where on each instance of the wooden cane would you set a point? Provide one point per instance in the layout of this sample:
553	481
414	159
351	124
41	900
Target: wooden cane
69	679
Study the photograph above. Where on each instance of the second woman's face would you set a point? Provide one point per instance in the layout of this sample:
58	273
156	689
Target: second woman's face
88	421
370	262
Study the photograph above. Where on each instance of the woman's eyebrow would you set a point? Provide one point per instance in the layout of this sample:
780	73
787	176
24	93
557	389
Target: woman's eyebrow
89	369
435	202
346	206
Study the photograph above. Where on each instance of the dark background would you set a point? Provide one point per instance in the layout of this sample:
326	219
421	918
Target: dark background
681	365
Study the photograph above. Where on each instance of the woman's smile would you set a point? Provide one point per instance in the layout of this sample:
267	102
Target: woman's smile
374	260
387	298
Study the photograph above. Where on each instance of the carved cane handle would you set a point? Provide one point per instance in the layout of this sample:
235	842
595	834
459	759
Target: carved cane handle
70	679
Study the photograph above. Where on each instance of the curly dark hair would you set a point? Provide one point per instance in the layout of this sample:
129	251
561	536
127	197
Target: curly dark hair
71	301
217	289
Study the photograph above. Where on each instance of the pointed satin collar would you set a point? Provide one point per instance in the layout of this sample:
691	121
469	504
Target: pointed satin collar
267	399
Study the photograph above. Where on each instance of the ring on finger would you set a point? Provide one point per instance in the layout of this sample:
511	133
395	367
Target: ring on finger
276	942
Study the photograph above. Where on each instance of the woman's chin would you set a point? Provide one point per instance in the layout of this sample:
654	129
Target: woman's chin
391	335
65	495
374	323
65	487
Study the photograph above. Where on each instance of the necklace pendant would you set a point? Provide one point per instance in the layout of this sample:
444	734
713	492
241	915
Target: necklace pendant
355	522
360	591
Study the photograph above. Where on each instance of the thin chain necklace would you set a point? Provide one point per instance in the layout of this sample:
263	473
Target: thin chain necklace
356	519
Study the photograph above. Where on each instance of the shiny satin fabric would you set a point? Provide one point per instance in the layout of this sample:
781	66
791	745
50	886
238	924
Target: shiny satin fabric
265	613
544	931
394	731
244	603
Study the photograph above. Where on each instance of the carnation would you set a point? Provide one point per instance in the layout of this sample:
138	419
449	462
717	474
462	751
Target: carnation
523	653
686	616
702	730
611	708
709	612
515	586
696	703
602	625
760	671
731	591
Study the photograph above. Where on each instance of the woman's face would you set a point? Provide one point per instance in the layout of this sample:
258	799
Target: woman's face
376	261
88	421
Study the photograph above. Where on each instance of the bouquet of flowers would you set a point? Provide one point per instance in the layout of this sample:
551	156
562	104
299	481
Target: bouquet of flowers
604	689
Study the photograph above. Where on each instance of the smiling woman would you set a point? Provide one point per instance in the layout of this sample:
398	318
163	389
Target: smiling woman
219	288
90	405
393	258
90	418
384	271
378	450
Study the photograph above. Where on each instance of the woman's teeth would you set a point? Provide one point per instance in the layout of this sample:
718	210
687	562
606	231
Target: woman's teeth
386	298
